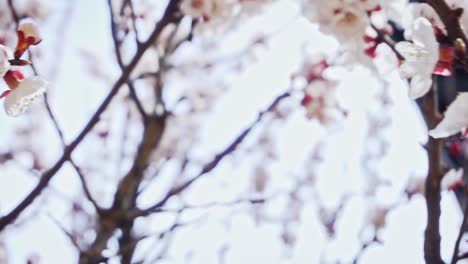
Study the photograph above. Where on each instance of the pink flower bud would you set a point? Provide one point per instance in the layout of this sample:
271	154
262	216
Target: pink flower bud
28	34
13	78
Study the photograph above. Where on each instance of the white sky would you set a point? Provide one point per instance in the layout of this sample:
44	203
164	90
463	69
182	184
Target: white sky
76	95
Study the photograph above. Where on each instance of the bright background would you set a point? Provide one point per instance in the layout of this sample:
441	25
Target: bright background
76	56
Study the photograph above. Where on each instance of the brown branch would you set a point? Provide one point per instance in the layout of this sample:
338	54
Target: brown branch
455	257
166	235
463	256
79	172
64	230
55	122
117	217
435	174
125	197
118	54
134	19
49	174
451	19
85	187
13	12
145	75
251	201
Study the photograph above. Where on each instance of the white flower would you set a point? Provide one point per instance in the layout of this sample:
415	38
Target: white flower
455	118
345	19
413	11
452	179
421	56
5	55
30	30
19	99
28	34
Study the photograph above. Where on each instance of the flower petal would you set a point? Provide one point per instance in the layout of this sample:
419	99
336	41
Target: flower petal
419	86
409	50
455	119
20	98
423	34
30	31
451	179
5	93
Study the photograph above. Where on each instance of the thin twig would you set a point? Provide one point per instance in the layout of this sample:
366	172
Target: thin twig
13	12
387	40
208	167
211	205
85	187
450	18
56	124
363	248
68	234
456	249
118	54
134	19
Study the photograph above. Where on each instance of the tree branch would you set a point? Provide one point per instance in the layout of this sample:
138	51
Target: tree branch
455	257
13	12
49	174
451	19
435	174
117	217
208	167
56	124
385	39
118	54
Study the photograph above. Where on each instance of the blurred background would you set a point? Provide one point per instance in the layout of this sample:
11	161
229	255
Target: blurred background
267	183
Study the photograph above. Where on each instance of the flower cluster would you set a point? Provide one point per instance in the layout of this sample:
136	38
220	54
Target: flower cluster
421	56
428	51
344	19
219	14
22	91
319	98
